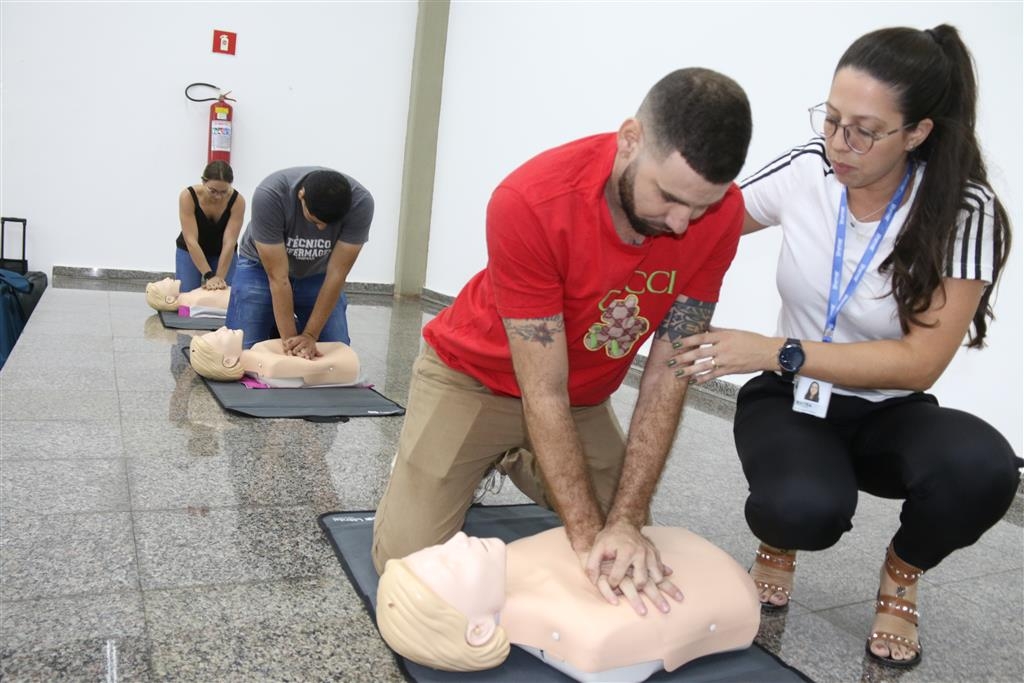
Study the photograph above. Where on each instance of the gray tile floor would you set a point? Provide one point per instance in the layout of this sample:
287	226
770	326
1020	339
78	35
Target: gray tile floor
147	535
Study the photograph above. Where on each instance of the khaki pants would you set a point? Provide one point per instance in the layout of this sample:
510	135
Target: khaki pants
455	430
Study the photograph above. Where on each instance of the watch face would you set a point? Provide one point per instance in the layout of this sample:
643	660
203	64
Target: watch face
791	357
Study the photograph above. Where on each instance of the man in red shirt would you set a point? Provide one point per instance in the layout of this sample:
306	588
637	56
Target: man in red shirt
592	247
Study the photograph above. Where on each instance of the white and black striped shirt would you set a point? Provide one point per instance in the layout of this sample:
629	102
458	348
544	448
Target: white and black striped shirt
800	192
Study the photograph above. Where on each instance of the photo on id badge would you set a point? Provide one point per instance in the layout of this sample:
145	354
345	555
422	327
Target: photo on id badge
811	396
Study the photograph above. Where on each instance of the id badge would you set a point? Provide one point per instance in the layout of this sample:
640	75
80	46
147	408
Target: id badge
811	396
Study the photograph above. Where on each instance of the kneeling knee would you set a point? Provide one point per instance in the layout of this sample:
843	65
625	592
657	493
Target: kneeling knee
787	523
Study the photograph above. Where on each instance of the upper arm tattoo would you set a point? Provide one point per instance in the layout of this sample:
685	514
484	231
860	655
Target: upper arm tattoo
686	317
541	330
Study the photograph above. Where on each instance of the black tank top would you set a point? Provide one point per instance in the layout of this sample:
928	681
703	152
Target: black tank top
211	235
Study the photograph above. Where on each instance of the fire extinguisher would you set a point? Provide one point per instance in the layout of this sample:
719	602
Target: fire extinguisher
218	140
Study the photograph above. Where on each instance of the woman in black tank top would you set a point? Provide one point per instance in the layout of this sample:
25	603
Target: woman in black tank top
211	215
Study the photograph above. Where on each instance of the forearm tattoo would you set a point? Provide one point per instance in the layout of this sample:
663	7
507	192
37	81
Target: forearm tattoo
540	330
686	317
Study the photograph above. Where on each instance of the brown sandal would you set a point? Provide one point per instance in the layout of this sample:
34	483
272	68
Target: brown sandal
904	575
780	561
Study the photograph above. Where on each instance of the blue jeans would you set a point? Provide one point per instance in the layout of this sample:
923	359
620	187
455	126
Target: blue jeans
251	309
186	271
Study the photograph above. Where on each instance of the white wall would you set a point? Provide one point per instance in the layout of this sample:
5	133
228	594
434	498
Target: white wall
98	138
522	77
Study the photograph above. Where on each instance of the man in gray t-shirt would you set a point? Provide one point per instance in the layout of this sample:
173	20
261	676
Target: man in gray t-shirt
307	228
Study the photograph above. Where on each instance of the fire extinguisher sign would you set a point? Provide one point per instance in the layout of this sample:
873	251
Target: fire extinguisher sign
224	42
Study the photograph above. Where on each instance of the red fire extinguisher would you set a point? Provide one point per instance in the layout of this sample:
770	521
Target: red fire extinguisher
218	140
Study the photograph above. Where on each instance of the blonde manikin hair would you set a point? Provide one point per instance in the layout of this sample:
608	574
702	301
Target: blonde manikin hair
163	295
210	363
420	626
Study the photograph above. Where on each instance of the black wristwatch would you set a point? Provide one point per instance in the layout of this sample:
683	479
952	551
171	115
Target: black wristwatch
791	358
207	275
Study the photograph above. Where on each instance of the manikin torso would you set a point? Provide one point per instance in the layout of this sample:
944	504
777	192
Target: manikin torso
720	610
552	611
337	365
205	298
165	295
266	361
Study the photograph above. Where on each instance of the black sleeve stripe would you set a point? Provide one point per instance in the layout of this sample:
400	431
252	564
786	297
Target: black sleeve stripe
816	147
983	190
964	246
975	198
979	242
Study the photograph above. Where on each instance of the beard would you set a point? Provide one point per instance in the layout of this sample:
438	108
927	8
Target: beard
626	184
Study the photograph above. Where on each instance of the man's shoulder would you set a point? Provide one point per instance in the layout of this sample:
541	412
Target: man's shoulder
279	182
580	165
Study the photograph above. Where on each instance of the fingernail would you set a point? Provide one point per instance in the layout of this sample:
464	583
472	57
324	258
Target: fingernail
677	344
680	372
672	362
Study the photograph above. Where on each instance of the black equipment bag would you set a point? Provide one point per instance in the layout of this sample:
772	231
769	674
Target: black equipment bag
26	300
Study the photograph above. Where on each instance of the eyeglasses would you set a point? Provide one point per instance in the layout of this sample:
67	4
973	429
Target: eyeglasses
214	192
857	138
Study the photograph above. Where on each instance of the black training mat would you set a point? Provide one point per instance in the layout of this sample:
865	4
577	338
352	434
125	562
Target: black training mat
351	534
173	321
312	403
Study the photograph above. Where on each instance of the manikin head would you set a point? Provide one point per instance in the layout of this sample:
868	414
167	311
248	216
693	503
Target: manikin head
163	295
217	355
439	606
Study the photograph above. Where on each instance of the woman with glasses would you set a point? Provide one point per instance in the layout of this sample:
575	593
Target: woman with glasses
892	244
211	218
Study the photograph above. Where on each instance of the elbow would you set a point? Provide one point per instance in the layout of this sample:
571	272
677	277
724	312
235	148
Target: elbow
278	282
923	379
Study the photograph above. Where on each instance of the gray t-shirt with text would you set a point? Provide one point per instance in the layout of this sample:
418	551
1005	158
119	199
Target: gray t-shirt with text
277	219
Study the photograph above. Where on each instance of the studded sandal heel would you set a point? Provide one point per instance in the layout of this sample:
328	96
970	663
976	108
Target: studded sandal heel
780	562
904	575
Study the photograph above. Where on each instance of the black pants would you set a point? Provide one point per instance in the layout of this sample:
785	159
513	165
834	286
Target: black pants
956	473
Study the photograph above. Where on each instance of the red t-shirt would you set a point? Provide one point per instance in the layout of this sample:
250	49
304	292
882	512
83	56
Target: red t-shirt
552	248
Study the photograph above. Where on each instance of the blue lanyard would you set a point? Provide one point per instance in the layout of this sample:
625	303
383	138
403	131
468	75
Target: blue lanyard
835	301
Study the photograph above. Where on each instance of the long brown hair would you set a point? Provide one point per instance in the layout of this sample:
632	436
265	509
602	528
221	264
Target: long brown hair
932	74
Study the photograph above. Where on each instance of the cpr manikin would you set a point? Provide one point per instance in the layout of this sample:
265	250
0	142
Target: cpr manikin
457	606
219	355
165	295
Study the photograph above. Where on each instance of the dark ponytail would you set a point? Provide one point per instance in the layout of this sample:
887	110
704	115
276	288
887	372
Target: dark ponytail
932	74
